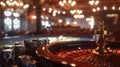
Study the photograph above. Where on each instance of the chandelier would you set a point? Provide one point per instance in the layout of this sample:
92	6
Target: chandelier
94	2
77	13
15	4
67	4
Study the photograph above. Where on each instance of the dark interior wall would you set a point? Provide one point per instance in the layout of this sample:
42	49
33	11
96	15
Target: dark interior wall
108	21
1	21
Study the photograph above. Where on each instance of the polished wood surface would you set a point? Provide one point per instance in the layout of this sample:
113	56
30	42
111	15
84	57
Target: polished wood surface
79	53
44	52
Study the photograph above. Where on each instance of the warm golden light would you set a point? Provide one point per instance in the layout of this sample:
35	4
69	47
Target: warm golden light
75	22
58	12
94	10
44	9
34	17
98	8
64	12
78	16
54	14
13	4
113	7
42	17
50	10
63	62
119	8
91	22
46	17
94	2
105	8
76	11
67	3
73	65
60	20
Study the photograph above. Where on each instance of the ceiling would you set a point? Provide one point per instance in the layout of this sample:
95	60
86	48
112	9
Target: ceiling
83	4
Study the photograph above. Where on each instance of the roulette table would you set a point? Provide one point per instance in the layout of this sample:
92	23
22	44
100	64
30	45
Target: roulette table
80	53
